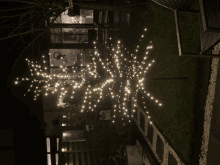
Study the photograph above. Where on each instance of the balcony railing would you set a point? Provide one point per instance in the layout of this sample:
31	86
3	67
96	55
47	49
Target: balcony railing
157	143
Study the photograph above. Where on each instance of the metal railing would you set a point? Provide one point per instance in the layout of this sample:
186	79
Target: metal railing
167	149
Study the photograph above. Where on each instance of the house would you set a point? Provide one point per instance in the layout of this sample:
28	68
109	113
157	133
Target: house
71	44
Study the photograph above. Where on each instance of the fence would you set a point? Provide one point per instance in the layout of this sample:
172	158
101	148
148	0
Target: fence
157	143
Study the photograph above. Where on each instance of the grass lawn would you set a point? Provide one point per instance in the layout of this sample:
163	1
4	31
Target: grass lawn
176	118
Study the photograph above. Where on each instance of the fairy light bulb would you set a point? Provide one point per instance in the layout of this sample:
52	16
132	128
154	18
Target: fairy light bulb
138	69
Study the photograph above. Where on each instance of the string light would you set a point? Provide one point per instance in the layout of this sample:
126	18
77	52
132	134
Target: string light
116	64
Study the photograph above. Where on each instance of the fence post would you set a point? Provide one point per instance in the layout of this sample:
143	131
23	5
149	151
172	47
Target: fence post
165	155
138	115
154	143
146	124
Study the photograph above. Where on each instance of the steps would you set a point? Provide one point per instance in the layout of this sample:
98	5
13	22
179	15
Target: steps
78	153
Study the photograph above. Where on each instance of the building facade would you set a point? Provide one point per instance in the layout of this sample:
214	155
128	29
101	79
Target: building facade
65	130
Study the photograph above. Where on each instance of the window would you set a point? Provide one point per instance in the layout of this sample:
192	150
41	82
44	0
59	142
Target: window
86	16
48	159
56	159
57	144
52	149
69	35
48	144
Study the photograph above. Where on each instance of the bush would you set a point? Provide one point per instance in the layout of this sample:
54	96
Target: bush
110	141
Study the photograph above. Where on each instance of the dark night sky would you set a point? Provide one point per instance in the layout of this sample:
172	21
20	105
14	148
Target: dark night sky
21	114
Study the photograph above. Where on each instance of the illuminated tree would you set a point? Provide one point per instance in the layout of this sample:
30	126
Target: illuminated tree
124	76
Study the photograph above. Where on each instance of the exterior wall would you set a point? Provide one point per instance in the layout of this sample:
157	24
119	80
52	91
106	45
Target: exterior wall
52	129
52	145
6	147
67	28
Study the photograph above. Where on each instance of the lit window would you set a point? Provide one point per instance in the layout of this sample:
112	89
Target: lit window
57	144
48	159
64	149
56	159
48	144
63	124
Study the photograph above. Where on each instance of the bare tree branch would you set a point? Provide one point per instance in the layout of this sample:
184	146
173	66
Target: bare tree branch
18	1
27	47
22	24
13	45
38	1
17	8
21	34
11	16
